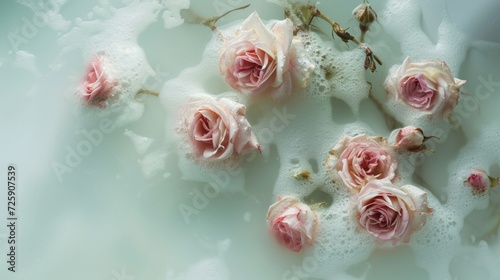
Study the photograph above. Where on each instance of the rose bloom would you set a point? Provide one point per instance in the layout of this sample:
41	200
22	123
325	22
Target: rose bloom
392	214
293	223
360	159
97	85
258	59
217	129
409	138
480	181
428	86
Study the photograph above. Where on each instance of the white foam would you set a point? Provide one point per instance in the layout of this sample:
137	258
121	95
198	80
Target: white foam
153	163
172	16
26	61
141	143
48	13
339	73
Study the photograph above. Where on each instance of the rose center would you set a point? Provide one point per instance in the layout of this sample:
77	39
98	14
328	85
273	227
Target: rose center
370	163
384	218
418	93
253	67
204	131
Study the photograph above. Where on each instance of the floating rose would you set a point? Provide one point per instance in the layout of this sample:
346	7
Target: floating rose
480	181
97	85
217	129
293	223
411	139
392	214
258	59
357	160
428	86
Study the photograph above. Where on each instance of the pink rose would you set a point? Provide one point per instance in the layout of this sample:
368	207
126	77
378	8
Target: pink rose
358	160
97	86
217	129
480	181
293	223
410	138
428	86
390	213
259	59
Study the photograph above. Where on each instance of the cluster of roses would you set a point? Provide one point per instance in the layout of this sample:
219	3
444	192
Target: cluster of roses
257	60
367	166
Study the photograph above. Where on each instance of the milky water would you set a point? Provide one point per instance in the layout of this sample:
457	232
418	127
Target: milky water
113	194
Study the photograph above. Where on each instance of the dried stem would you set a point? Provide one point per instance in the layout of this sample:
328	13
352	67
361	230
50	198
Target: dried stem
318	205
362	36
147	91
371	59
210	22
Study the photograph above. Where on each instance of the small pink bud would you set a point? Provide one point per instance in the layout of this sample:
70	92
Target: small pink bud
410	138
480	181
365	15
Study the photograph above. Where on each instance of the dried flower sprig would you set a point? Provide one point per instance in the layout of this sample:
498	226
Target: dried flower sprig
303	15
210	22
191	17
365	15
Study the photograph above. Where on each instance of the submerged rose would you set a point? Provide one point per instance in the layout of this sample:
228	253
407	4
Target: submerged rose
357	160
217	129
428	86
293	223
97	85
480	181
390	213
258	59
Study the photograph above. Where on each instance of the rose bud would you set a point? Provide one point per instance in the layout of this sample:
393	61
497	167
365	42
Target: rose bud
258	59
217	129
410	138
428	86
357	160
480	181
97	85
365	15
392	214
293	223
